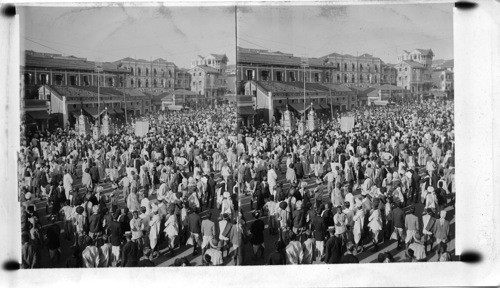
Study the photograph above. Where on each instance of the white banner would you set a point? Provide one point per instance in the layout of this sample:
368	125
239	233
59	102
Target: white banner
346	123
141	128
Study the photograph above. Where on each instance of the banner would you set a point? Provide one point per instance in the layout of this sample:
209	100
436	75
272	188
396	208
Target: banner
346	123
141	128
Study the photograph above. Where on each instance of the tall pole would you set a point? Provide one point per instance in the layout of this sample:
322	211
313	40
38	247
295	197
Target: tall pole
304	92
124	100
331	102
98	102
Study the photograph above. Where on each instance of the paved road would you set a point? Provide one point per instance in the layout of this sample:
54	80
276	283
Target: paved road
163	260
367	256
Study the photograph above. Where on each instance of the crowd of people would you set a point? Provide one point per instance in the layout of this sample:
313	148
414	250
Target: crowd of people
390	179
124	200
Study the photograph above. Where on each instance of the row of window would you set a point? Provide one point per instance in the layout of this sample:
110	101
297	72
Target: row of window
111	105
139	72
316	100
146	84
265	76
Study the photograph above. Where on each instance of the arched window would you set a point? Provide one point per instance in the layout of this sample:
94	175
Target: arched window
345	78
138	70
345	66
154	71
353	79
139	84
132	70
353	67
154	82
147	71
147	83
131	82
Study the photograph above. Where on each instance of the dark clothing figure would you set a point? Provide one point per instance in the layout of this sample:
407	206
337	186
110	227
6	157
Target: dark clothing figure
130	254
333	250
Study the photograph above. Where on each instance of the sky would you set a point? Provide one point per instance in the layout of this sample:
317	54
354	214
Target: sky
179	34
381	30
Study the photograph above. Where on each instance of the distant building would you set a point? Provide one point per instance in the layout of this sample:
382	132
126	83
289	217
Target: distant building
443	83
361	71
272	98
207	81
389	74
68	86
264	65
353	71
182	79
149	76
216	61
445	65
414	70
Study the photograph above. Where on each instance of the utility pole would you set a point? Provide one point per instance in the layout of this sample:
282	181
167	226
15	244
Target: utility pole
98	68
331	102
124	99
304	63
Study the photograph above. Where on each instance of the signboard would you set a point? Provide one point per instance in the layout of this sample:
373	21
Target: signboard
346	123
141	128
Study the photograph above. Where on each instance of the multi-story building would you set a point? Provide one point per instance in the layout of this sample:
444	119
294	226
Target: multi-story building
263	65
182	79
70	85
414	70
216	61
389	74
443	65
355	71
56	69
273	97
154	76
208	81
442	83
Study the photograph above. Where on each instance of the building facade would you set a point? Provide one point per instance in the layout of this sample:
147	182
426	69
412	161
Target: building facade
414	70
272	98
55	69
354	71
216	61
442	83
154	76
263	65
182	79
207	81
71	85
389	74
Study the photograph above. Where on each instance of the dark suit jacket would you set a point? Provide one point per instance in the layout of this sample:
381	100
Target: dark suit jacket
398	217
319	228
116	233
333	250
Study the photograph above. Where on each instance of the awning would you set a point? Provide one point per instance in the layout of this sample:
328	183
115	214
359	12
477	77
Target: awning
111	111
246	110
324	105
92	111
316	106
299	107
38	115
119	110
281	108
